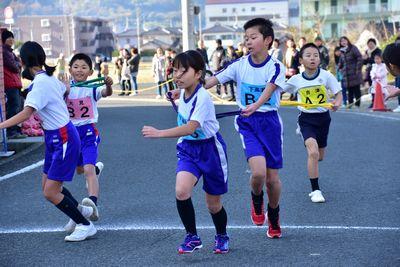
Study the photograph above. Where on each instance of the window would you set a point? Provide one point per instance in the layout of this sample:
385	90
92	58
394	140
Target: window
233	10
46	37
84	43
253	9
334	30
224	10
61	37
47	51
243	10
316	6
44	23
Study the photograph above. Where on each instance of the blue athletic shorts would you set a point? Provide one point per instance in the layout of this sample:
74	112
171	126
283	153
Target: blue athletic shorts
90	140
62	153
315	125
262	135
205	158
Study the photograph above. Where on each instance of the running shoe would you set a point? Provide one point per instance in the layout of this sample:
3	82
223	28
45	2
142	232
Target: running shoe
316	196
221	244
191	243
86	212
257	219
81	232
274	231
89	203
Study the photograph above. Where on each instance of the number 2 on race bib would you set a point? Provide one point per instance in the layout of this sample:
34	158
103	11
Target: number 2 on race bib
80	108
313	95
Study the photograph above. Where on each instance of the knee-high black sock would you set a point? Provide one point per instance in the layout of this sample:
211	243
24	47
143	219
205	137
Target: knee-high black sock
66	192
314	184
68	207
257	201
186	212
220	220
273	215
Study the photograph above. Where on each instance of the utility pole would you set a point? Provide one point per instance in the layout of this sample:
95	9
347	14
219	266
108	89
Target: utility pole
187	24
138	27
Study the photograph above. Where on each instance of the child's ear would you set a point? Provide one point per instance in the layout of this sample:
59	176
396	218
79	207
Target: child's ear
91	72
268	40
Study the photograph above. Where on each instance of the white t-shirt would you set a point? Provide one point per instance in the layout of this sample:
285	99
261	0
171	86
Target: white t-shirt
47	98
82	105
199	107
252	78
313	90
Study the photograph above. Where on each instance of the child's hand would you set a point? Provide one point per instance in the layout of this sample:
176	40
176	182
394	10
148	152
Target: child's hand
250	109
174	94
150	132
393	92
108	81
66	81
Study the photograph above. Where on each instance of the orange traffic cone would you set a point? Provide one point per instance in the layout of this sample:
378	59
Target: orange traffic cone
379	104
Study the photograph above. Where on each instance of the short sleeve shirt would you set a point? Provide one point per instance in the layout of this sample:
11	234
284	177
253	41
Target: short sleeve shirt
47	98
314	90
252	79
198	107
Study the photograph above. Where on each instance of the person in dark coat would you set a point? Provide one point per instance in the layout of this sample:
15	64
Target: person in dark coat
368	58
350	65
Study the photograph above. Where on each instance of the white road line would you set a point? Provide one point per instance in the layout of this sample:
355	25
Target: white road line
21	171
135	227
371	115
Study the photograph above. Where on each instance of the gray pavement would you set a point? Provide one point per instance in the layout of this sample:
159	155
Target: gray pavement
359	225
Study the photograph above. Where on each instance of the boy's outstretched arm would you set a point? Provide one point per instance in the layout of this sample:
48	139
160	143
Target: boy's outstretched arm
337	102
187	129
211	82
20	117
108	90
265	96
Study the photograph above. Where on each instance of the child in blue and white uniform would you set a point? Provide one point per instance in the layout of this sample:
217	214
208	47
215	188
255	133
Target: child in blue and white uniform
201	152
82	108
313	86
391	57
46	98
259	79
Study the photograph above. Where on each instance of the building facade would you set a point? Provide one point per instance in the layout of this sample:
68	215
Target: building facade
235	13
333	17
67	34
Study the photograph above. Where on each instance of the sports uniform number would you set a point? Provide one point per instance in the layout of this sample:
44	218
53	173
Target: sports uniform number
80	108
313	95
85	113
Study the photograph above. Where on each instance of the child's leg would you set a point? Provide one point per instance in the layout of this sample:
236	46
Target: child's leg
185	181
321	153
159	88
52	192
218	213
92	181
80	170
313	158
258	174
273	184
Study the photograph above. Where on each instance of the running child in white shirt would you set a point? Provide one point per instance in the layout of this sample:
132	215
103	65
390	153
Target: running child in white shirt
82	108
259	79
201	152
46	98
313	87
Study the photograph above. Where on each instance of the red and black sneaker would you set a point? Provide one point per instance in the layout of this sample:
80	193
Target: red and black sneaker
257	219
274	231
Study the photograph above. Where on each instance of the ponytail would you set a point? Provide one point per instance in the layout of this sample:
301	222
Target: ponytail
49	70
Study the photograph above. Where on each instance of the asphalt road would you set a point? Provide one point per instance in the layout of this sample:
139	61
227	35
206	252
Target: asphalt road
359	225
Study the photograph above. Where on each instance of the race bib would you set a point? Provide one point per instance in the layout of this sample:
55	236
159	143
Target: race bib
80	108
198	133
313	95
251	93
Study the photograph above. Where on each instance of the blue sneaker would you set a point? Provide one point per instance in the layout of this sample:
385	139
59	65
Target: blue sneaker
221	244
191	243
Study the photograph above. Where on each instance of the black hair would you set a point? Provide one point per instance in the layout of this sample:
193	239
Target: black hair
264	27
81	56
218	41
33	55
371	40
134	50
191	59
392	54
277	40
347	39
308	45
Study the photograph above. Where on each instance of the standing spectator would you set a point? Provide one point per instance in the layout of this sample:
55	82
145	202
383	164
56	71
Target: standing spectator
337	53
378	75
350	65
169	69
118	66
134	68
203	51
368	59
291	59
216	60
61	67
324	53
230	57
302	42
239	50
275	51
126	74
97	65
159	74
12	82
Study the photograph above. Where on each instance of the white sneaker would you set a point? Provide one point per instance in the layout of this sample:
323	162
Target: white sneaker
397	109
316	196
224	95
298	131
88	203
158	97
86	212
81	232
134	93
